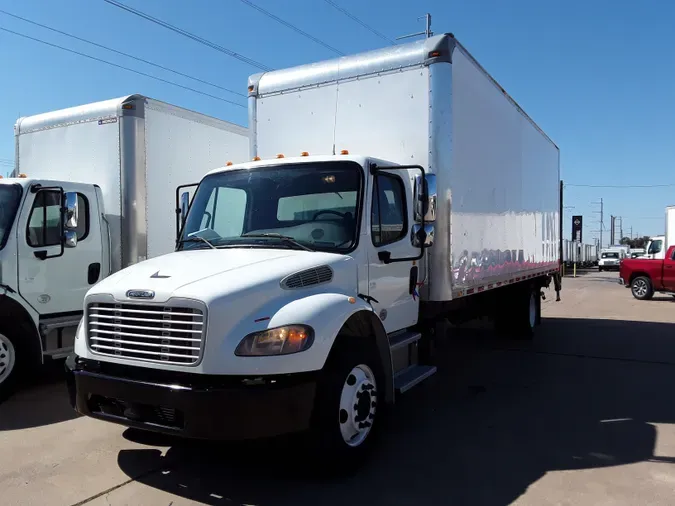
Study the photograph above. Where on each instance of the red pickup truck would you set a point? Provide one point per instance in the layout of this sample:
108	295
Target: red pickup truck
644	277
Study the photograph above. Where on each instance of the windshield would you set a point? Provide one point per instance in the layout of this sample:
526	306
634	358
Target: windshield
610	255
9	201
299	206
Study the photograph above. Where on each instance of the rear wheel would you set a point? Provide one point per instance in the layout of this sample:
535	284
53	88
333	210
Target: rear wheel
642	288
520	314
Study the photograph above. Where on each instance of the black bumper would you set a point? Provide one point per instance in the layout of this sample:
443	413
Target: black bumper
191	405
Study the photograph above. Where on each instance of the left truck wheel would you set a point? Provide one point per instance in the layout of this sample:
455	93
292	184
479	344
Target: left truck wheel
348	405
8	366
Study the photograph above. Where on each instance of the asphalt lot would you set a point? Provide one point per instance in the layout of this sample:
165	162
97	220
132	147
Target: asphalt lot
583	415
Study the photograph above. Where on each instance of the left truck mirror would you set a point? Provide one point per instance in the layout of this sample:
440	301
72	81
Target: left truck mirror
71	211
184	205
70	238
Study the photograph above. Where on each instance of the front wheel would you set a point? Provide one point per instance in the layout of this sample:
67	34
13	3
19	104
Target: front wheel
642	288
9	369
347	404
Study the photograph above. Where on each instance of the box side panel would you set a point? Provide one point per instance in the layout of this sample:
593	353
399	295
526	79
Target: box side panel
385	116
81	152
293	122
504	184
180	151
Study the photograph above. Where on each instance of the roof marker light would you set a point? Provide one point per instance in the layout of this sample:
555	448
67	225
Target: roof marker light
304	153
256	158
280	155
228	164
22	176
344	152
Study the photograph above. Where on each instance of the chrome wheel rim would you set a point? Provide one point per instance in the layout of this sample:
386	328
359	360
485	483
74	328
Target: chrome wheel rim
7	358
358	405
640	287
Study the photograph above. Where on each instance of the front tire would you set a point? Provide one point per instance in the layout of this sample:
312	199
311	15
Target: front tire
348	404
9	364
641	288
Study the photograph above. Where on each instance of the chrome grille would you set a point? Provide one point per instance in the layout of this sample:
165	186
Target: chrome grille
310	277
165	334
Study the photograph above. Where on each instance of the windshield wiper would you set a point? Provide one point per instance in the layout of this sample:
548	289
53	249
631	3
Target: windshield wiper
197	238
284	238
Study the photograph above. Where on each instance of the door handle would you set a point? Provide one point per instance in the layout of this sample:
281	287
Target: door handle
412	282
93	273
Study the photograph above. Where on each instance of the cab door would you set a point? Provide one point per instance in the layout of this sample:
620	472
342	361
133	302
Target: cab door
393	286
54	277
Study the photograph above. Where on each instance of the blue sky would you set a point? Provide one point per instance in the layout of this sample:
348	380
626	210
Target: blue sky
596	75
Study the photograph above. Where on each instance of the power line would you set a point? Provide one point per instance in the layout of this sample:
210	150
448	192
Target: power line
621	186
189	35
289	25
120	66
121	53
354	18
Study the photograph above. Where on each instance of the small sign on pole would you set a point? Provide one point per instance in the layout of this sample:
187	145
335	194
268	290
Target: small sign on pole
577	227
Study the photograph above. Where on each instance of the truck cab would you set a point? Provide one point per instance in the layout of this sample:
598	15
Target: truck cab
318	258
51	253
655	248
610	258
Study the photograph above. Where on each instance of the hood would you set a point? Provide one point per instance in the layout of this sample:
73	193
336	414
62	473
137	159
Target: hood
242	267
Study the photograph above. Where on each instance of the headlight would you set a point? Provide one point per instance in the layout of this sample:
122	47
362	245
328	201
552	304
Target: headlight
279	341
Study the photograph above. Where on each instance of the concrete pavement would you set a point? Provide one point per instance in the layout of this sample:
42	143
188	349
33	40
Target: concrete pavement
583	415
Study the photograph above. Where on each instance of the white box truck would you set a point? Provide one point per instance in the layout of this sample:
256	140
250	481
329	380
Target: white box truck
388	191
116	164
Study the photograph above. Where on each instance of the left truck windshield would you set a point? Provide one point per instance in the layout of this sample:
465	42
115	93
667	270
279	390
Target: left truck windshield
10	195
311	206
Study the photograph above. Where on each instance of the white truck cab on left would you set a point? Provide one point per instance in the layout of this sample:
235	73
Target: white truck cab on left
50	254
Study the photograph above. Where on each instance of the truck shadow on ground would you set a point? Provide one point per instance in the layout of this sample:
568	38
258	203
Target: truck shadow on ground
42	401
496	419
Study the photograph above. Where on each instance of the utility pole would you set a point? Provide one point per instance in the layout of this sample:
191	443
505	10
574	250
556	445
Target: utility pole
427	31
612	238
602	215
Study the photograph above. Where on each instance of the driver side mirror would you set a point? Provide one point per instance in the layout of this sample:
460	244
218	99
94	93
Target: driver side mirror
70	238
70	219
71	211
184	205
425	198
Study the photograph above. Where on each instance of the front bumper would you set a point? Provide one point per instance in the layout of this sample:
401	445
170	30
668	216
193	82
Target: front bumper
191	405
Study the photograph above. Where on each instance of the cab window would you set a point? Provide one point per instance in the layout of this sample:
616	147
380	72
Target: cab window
43	223
388	221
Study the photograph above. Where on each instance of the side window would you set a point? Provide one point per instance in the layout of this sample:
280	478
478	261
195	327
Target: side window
43	223
388	222
655	247
225	211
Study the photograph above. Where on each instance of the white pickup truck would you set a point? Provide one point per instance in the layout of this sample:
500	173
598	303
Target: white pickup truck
388	191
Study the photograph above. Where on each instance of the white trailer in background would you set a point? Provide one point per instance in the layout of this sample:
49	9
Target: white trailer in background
389	191
115	166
